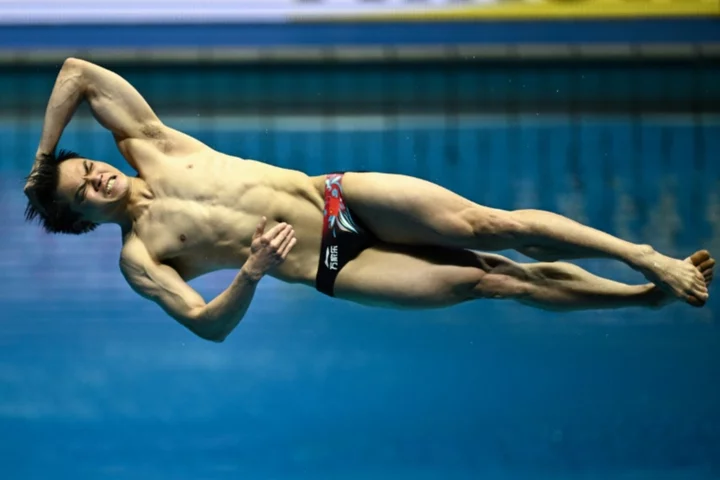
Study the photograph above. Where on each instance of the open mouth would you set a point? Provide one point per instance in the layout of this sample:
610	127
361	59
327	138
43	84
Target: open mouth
110	185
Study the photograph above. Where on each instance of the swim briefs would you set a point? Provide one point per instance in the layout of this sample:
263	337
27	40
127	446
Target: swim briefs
343	237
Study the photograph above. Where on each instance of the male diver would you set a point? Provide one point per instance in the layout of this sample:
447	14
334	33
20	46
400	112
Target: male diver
373	238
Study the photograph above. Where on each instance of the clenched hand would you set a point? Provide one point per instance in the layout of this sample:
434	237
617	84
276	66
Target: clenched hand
269	249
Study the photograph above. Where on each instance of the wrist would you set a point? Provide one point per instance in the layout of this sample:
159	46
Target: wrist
250	275
41	154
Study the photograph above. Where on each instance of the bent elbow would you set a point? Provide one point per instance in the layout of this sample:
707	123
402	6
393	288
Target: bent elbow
71	73
204	328
210	336
72	64
216	338
209	332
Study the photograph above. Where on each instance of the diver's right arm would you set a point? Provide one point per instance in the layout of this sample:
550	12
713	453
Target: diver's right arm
214	320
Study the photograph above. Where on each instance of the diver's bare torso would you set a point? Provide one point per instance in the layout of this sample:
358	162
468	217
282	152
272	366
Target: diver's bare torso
206	205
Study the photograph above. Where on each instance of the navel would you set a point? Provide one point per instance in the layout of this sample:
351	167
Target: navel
182	237
190	165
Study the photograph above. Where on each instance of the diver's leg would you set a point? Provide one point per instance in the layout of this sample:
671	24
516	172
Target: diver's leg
406	210
437	277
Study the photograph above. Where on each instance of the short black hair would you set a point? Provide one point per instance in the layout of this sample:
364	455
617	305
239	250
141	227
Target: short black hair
57	216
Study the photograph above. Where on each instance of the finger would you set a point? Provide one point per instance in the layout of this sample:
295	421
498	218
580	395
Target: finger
290	235
280	238
260	227
274	231
288	247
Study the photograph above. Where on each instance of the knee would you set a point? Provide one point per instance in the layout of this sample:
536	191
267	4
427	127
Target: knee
484	222
558	271
507	285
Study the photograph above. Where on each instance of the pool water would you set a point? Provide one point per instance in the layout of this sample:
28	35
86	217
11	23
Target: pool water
98	383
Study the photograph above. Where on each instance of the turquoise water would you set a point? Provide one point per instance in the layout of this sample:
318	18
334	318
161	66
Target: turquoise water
97	383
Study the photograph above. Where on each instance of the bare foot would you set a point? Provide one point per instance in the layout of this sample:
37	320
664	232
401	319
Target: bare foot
704	264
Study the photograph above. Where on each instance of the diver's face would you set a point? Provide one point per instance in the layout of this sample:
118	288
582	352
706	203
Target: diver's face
93	189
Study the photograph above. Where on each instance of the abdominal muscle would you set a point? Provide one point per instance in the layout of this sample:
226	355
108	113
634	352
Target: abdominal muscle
204	222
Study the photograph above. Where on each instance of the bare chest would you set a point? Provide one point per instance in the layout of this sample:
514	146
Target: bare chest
196	237
200	224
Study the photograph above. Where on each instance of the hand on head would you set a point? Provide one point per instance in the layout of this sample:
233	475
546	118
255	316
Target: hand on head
31	192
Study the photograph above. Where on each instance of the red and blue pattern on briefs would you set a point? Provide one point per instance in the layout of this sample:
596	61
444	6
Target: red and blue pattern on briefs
343	237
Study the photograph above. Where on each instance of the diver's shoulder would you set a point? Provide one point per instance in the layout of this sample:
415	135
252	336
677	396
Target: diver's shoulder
132	247
134	250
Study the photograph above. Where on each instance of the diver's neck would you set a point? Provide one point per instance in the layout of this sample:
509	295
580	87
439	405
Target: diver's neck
139	197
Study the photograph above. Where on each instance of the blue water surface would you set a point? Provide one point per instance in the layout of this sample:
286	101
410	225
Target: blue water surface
98	383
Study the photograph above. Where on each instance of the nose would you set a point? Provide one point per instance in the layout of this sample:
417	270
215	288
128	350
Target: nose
97	182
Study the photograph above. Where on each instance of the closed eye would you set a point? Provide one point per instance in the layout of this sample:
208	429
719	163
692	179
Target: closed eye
81	192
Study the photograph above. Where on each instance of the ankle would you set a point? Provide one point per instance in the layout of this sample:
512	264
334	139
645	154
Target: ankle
643	257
